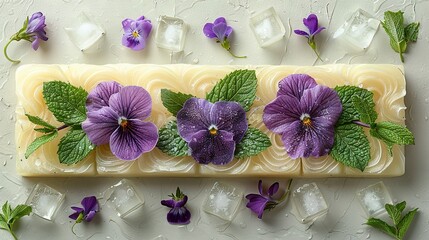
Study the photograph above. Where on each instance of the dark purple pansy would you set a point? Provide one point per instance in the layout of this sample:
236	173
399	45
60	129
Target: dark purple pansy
258	203
87	211
115	115
33	31
178	213
305	114
312	23
221	32
136	32
211	130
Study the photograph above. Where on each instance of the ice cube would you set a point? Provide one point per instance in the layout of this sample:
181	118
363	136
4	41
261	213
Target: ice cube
123	198
223	201
267	27
358	31
171	33
308	203
84	33
373	198
45	201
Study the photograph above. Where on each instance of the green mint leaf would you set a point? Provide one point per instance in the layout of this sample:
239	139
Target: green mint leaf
20	211
412	32
10	216
65	101
7	210
173	101
170	142
393	133
405	223
38	142
74	147
394	26
367	113
394	213
253	142
401	206
45	130
382	226
347	94
351	147
3	223
238	86
38	121
388	143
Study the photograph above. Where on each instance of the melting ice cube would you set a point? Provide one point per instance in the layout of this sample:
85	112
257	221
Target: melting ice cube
223	201
45	201
84	33
123	198
171	33
358	31
309	203
267	27
373	198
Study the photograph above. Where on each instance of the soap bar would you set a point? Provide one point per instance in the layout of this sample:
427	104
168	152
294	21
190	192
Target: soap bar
387	82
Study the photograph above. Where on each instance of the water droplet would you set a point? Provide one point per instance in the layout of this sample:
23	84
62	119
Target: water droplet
243	225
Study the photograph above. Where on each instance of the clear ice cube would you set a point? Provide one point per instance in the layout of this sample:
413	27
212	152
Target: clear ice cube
171	33
309	203
123	198
358	31
223	201
267	27
84	33
373	198
45	201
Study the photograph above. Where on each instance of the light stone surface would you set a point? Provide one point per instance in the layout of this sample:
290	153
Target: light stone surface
345	217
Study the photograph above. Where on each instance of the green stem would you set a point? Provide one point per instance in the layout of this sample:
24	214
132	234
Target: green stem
62	127
5	51
401	55
284	197
232	54
72	229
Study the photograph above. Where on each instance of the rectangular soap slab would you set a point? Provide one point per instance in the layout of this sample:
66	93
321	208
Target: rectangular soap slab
387	82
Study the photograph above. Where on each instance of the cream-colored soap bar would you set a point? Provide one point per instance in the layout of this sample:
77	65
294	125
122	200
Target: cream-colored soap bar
385	81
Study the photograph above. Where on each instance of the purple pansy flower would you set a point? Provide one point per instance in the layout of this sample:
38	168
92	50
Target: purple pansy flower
136	32
211	130
305	114
115	116
312	23
178	214
87	213
258	203
221	32
33	31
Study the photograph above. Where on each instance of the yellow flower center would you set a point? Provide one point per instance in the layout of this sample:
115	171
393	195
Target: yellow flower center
213	130
136	34
123	122
306	120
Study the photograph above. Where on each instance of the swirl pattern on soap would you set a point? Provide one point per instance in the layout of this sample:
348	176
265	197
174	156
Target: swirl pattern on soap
386	81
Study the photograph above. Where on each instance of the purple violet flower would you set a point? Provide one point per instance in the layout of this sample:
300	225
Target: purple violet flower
136	32
312	23
258	203
221	32
212	130
115	115
33	31
87	213
305	114
178	214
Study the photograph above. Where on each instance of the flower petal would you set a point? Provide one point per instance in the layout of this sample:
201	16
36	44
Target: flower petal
193	117
208	30
312	23
141	18
220	31
75	215
168	203
182	202
100	124
36	23
230	117
228	31
273	189
180	215
145	29
302	33
295	84
322	103
90	204
35	43
126	23
281	112
129	143
220	20
319	30
256	204
99	97
132	102
89	216
260	188
218	149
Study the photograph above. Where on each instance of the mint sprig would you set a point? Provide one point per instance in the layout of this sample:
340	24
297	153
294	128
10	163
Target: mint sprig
399	34
173	101
238	86
170	142
400	223
10	215
252	143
